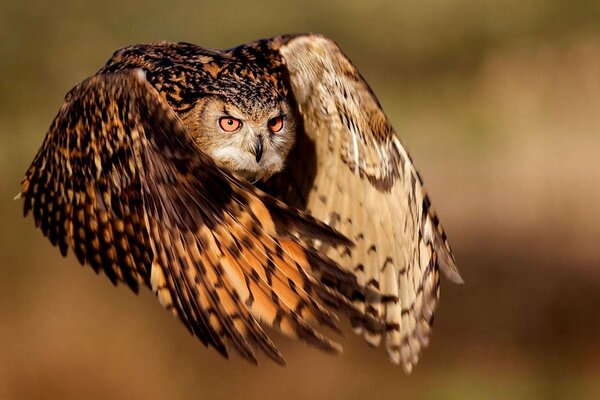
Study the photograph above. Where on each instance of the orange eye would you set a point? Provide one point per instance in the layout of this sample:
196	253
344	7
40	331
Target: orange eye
229	124
275	124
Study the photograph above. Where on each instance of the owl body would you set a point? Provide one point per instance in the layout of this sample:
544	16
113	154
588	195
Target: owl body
147	173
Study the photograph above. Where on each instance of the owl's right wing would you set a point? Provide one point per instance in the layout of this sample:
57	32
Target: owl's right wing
350	170
119	181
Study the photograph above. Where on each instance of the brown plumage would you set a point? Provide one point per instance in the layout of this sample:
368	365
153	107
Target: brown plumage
138	179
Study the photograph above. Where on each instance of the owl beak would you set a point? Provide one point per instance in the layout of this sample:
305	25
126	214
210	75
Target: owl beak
259	149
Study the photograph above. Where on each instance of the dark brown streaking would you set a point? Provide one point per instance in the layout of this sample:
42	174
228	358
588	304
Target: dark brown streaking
123	179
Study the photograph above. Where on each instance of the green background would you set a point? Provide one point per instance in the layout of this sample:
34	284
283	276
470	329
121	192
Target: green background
499	105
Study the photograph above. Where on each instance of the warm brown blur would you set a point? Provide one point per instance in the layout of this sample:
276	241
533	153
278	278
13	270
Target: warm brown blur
499	105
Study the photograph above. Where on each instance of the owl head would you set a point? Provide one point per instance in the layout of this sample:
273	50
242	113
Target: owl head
246	129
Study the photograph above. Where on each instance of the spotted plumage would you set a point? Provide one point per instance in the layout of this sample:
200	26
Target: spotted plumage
147	173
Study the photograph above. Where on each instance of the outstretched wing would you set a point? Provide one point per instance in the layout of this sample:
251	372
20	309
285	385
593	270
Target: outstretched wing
119	181
350	170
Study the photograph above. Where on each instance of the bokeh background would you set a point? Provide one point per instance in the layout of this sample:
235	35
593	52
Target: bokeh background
498	103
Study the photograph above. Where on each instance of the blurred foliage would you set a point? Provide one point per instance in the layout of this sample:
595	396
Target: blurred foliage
497	102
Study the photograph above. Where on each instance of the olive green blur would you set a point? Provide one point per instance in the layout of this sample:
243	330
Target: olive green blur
498	103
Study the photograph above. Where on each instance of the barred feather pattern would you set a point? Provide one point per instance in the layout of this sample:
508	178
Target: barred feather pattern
119	181
123	182
350	170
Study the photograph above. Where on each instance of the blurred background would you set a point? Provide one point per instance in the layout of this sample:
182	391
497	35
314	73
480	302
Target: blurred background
499	105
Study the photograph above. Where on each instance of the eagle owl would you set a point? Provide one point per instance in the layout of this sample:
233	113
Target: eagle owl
261	184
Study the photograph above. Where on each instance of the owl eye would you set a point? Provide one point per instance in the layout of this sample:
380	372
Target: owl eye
275	124
229	124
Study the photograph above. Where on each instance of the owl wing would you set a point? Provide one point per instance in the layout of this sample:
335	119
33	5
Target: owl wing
119	181
350	170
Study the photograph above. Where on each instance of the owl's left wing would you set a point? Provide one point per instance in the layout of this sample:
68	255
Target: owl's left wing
119	181
350	170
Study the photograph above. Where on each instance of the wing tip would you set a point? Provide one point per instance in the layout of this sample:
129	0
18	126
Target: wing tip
396	359
280	360
456	278
445	259
450	271
453	275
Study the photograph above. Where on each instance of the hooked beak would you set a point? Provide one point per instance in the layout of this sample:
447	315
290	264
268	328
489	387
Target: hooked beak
259	149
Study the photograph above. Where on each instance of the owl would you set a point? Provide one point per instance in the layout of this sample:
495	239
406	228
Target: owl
257	186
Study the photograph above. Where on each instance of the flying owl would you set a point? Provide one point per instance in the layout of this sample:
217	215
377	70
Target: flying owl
257	185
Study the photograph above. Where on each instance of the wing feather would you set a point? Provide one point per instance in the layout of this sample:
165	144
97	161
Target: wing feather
119	181
365	186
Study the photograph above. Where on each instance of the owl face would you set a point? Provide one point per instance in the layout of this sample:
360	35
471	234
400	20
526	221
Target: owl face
253	142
